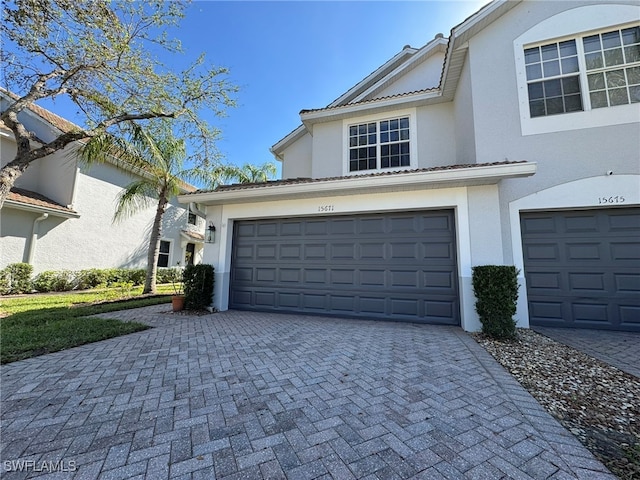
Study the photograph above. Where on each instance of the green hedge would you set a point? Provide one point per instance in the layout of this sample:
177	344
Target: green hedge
198	286
16	278
496	291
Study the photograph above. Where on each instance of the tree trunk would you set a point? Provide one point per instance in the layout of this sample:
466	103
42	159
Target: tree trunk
8	176
154	247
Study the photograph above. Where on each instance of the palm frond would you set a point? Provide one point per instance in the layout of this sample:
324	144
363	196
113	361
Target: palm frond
135	197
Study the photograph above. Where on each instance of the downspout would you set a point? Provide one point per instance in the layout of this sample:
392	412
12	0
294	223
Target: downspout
193	208
34	236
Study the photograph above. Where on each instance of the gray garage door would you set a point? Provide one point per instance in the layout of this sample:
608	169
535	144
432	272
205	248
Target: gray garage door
383	266
583	268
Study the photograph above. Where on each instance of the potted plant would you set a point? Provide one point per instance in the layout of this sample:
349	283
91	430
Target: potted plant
177	299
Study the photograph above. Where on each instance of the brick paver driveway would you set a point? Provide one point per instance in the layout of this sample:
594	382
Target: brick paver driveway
247	395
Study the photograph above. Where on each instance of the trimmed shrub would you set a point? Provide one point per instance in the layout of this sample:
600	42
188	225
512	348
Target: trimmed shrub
51	281
496	291
90	278
198	286
16	278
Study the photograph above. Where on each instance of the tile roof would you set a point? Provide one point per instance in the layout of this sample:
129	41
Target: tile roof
60	123
27	197
192	234
371	100
297	181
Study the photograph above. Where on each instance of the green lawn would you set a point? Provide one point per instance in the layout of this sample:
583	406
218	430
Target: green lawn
37	324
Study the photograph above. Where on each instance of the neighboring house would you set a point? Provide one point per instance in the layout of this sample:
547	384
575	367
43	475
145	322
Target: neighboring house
515	141
59	214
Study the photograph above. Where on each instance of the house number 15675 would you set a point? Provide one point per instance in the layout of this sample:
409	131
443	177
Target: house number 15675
612	199
325	208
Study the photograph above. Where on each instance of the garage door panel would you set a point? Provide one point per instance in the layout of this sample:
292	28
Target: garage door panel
372	251
579	252
543	252
316	227
438	251
629	316
265	299
405	307
587	281
584	273
343	227
622	251
290	228
590	312
544	280
266	274
289	275
315	252
627	283
353	266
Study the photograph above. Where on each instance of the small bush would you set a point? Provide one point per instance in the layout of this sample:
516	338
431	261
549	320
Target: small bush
496	291
198	286
91	278
136	276
16	278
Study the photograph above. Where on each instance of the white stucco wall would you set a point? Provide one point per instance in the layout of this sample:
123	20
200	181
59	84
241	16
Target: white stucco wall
423	76
435	135
464	128
563	156
93	240
297	159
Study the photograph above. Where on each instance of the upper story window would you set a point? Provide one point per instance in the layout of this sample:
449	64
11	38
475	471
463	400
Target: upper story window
192	219
605	66
379	145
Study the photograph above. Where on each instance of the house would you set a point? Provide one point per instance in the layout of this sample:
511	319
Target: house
514	141
59	214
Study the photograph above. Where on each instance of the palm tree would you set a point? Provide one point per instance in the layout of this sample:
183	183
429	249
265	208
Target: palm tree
158	159
249	173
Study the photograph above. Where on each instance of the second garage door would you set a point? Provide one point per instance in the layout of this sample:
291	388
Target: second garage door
395	266
583	268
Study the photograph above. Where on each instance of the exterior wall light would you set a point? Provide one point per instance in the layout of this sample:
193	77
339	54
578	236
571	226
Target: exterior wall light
211	233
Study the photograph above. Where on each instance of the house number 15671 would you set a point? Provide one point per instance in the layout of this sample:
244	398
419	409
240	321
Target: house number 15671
325	208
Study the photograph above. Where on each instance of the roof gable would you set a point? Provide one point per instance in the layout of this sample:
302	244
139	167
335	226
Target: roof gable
363	95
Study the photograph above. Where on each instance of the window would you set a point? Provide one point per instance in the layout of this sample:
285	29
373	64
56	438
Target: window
379	145
612	62
192	219
606	66
163	255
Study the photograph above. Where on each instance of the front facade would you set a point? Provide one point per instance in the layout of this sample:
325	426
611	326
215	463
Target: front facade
59	214
514	141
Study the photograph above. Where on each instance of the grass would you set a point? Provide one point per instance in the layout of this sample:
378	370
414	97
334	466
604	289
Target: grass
33	325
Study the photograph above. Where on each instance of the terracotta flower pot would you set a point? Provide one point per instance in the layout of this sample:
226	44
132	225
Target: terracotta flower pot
177	302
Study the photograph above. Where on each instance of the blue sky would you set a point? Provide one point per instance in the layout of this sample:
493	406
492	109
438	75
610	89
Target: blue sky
288	56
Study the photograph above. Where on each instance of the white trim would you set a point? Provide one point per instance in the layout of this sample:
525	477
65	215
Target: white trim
170	254
574	23
580	194
36	208
476	175
413	149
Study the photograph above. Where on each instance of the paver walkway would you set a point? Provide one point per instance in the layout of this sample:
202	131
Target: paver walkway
247	395
619	349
